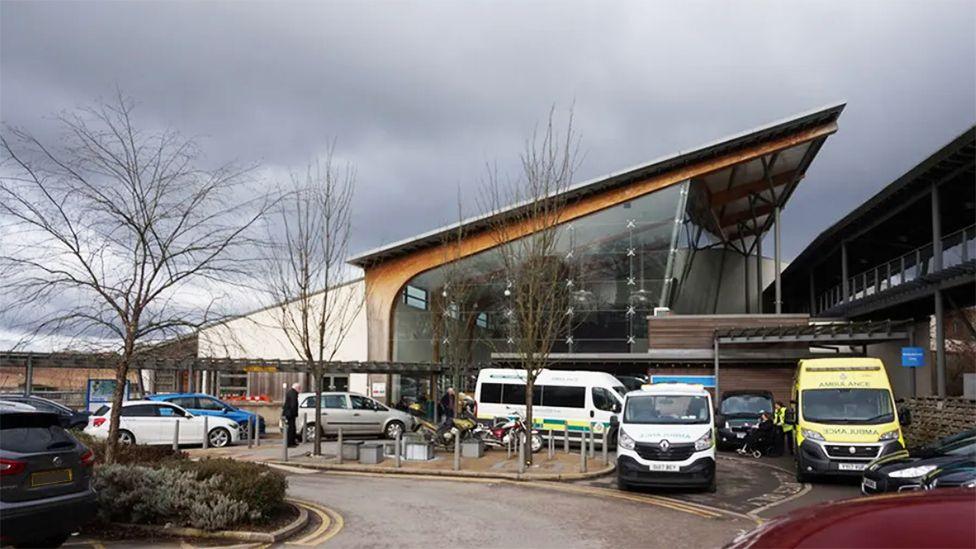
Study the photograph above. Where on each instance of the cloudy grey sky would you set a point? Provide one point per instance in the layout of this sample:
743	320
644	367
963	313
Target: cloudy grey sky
420	95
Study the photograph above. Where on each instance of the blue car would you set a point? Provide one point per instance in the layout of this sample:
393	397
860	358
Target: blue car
205	405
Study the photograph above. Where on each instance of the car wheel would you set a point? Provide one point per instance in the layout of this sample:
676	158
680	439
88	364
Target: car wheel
219	437
393	429
125	437
53	541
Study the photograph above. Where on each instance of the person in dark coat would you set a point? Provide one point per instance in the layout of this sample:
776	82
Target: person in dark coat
289	411
447	405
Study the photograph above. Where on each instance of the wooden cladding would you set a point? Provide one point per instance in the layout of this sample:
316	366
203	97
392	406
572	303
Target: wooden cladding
698	331
776	379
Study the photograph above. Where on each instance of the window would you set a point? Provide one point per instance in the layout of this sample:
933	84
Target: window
564	397
28	433
491	393
481	320
171	411
185	402
603	400
667	409
360	402
866	406
514	393
415	297
209	404
334	401
140	410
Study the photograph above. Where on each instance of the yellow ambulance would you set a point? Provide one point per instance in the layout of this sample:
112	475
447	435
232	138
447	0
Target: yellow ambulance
845	416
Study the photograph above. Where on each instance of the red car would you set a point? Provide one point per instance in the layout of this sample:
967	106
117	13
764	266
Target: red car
938	518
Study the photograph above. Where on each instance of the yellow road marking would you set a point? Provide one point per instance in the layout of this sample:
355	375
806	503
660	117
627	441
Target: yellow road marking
331	524
704	511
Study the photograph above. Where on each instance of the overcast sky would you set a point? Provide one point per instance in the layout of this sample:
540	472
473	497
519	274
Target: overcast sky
420	95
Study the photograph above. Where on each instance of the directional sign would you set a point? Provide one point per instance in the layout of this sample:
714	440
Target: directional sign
704	381
912	357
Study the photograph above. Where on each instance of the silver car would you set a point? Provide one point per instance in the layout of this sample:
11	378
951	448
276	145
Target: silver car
354	413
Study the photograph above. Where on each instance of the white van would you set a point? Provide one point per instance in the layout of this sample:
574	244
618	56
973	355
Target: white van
562	400
666	437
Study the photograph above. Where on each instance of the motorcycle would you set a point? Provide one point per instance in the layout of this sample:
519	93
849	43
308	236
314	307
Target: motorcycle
506	431
443	435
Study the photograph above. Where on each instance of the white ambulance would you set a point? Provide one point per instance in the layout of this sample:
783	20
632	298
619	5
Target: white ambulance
666	437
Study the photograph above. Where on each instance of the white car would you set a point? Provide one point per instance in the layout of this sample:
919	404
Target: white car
355	414
154	422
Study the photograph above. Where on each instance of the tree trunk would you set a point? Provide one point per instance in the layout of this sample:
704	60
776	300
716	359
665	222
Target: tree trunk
529	389
317	383
121	372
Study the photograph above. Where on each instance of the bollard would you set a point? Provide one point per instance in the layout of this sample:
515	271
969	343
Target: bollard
304	423
592	442
583	453
176	435
457	453
396	451
257	432
552	448
250	431
508	447
566	439
606	456
284	448
339	440
206	433
521	457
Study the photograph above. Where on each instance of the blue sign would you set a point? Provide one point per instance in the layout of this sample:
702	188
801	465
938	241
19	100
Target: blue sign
912	357
705	381
100	391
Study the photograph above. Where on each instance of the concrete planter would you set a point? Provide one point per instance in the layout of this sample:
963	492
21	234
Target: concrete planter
371	453
350	450
472	449
419	451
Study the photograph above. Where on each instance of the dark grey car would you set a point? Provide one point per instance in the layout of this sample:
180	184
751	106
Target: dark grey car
45	480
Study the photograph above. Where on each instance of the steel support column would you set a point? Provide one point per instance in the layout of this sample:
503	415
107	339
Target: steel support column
718	395
940	357
29	377
936	231
776	261
843	272
911	375
813	295
745	276
759	277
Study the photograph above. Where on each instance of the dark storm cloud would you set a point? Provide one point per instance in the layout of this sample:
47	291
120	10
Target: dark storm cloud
419	96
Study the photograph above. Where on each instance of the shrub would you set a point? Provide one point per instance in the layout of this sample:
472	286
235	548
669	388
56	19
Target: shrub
259	486
133	493
130	454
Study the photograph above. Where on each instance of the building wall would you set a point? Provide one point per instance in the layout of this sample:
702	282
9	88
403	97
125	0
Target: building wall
260	335
900	377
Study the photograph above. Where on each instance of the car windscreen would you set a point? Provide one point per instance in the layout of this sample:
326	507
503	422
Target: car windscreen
750	405
666	409
854	406
29	433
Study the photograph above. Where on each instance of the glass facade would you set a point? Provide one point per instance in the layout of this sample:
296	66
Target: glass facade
621	263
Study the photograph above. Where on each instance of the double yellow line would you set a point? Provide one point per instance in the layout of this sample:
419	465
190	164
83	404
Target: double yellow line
331	523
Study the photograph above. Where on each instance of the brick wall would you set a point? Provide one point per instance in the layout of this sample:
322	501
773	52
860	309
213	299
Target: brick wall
934	418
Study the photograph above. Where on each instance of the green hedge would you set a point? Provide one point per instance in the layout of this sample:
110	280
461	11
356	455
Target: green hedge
131	454
262	488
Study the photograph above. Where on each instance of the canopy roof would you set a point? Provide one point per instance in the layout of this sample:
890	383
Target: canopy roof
739	199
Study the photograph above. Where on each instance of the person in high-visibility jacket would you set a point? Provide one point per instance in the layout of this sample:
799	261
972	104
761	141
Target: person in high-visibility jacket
779	419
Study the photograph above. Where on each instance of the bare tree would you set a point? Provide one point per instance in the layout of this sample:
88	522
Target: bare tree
307	265
118	233
527	237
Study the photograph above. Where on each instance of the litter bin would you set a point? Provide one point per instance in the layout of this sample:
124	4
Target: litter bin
472	449
419	451
350	449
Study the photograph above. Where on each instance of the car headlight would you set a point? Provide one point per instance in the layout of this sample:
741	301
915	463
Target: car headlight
704	442
810	434
890	435
913	472
624	440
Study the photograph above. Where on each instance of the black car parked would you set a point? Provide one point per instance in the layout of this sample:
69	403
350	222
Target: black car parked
906	470
45	480
959	474
68	418
738	413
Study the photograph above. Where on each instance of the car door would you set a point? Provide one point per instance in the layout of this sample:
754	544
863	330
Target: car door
191	426
366	417
336	413
143	421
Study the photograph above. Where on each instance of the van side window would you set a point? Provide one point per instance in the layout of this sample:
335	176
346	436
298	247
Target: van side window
515	394
491	393
564	397
603	400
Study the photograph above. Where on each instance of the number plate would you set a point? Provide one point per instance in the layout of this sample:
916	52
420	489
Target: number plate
47	478
869	484
665	467
851	466
740	435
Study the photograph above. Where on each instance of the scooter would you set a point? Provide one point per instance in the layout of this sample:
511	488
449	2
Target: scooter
443	435
505	431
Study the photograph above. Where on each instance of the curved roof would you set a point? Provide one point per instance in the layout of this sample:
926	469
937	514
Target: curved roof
721	147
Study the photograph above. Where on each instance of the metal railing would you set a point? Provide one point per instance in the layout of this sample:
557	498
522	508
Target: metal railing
957	248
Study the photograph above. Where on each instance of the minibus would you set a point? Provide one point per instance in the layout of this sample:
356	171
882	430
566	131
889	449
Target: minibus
845	416
571	401
666	437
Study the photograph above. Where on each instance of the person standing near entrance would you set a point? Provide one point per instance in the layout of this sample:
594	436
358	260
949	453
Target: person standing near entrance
447	405
289	411
787	428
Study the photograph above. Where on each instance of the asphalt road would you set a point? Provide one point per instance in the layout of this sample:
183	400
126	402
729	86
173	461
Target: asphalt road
409	512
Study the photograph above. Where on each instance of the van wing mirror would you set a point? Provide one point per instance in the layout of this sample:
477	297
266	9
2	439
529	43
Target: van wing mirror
616	407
